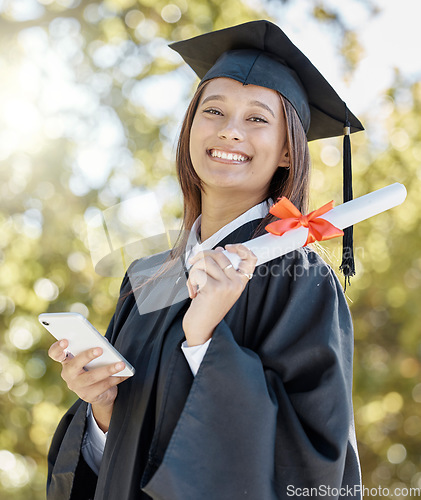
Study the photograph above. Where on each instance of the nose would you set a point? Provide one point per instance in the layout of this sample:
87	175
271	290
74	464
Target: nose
231	131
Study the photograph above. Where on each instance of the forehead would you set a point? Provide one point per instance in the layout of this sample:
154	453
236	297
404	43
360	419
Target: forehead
227	88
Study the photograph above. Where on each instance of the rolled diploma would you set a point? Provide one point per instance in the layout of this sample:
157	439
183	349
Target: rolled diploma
269	246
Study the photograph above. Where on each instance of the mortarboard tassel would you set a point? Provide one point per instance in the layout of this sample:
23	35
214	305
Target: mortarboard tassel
348	265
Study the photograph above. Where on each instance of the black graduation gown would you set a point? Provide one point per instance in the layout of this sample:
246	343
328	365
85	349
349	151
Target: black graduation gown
268	414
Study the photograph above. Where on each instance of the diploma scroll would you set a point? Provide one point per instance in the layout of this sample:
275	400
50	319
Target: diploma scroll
269	246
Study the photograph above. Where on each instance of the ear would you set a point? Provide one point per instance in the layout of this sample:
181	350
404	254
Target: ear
284	161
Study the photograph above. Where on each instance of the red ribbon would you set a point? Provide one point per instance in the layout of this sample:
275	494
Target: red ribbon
292	218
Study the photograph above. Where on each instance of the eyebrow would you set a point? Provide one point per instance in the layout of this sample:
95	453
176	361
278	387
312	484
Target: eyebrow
260	104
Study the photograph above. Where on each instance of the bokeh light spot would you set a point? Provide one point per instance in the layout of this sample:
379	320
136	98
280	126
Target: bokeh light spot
409	367
393	402
6	382
35	367
399	139
76	261
146	30
416	393
412	425
396	296
396	454
133	18
80	308
7	460
171	13
371	413
46	289
330	156
21	338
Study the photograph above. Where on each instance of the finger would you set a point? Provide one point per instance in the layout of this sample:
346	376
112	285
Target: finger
94	375
57	350
222	260
212	265
76	364
241	250
192	289
85	383
198	256
189	288
198	280
248	258
228	270
203	254
218	256
248	261
244	274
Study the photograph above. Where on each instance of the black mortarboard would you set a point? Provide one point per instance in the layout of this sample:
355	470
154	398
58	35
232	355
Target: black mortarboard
259	53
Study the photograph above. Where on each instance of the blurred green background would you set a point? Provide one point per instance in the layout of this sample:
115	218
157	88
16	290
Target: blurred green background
90	104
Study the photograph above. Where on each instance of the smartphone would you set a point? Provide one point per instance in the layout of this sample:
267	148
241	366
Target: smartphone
82	336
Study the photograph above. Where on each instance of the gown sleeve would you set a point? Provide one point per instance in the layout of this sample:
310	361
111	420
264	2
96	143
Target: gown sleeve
69	476
270	410
94	439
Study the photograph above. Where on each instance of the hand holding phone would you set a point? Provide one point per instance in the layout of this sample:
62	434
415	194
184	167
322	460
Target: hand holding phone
82	336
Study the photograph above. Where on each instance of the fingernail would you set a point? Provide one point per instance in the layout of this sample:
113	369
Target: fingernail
62	343
119	366
96	352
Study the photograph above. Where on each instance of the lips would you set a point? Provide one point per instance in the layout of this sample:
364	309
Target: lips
229	155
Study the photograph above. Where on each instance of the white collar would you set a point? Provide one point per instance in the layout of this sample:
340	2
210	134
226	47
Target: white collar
194	245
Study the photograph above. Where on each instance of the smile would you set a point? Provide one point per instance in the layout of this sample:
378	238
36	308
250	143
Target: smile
215	153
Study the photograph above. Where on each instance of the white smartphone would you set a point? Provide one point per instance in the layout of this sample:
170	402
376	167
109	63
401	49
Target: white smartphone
82	336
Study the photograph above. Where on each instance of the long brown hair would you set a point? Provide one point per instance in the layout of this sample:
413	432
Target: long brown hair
292	182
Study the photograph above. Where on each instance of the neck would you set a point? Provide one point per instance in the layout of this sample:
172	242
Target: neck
218	211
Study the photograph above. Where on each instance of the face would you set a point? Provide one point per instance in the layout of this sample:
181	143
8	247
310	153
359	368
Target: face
238	137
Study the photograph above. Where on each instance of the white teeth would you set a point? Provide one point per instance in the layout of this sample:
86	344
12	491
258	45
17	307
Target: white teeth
228	156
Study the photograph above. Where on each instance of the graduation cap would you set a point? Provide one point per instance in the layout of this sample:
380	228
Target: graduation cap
259	53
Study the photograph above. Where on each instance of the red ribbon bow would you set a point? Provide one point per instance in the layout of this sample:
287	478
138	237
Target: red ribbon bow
292	218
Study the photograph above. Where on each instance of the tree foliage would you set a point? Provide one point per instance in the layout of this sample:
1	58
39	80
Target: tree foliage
78	136
385	292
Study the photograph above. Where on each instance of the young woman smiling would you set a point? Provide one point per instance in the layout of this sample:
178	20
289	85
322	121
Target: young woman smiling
242	386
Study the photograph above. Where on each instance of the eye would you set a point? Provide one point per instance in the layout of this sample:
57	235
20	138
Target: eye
258	119
213	111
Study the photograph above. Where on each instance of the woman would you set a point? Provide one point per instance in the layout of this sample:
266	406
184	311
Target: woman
243	388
